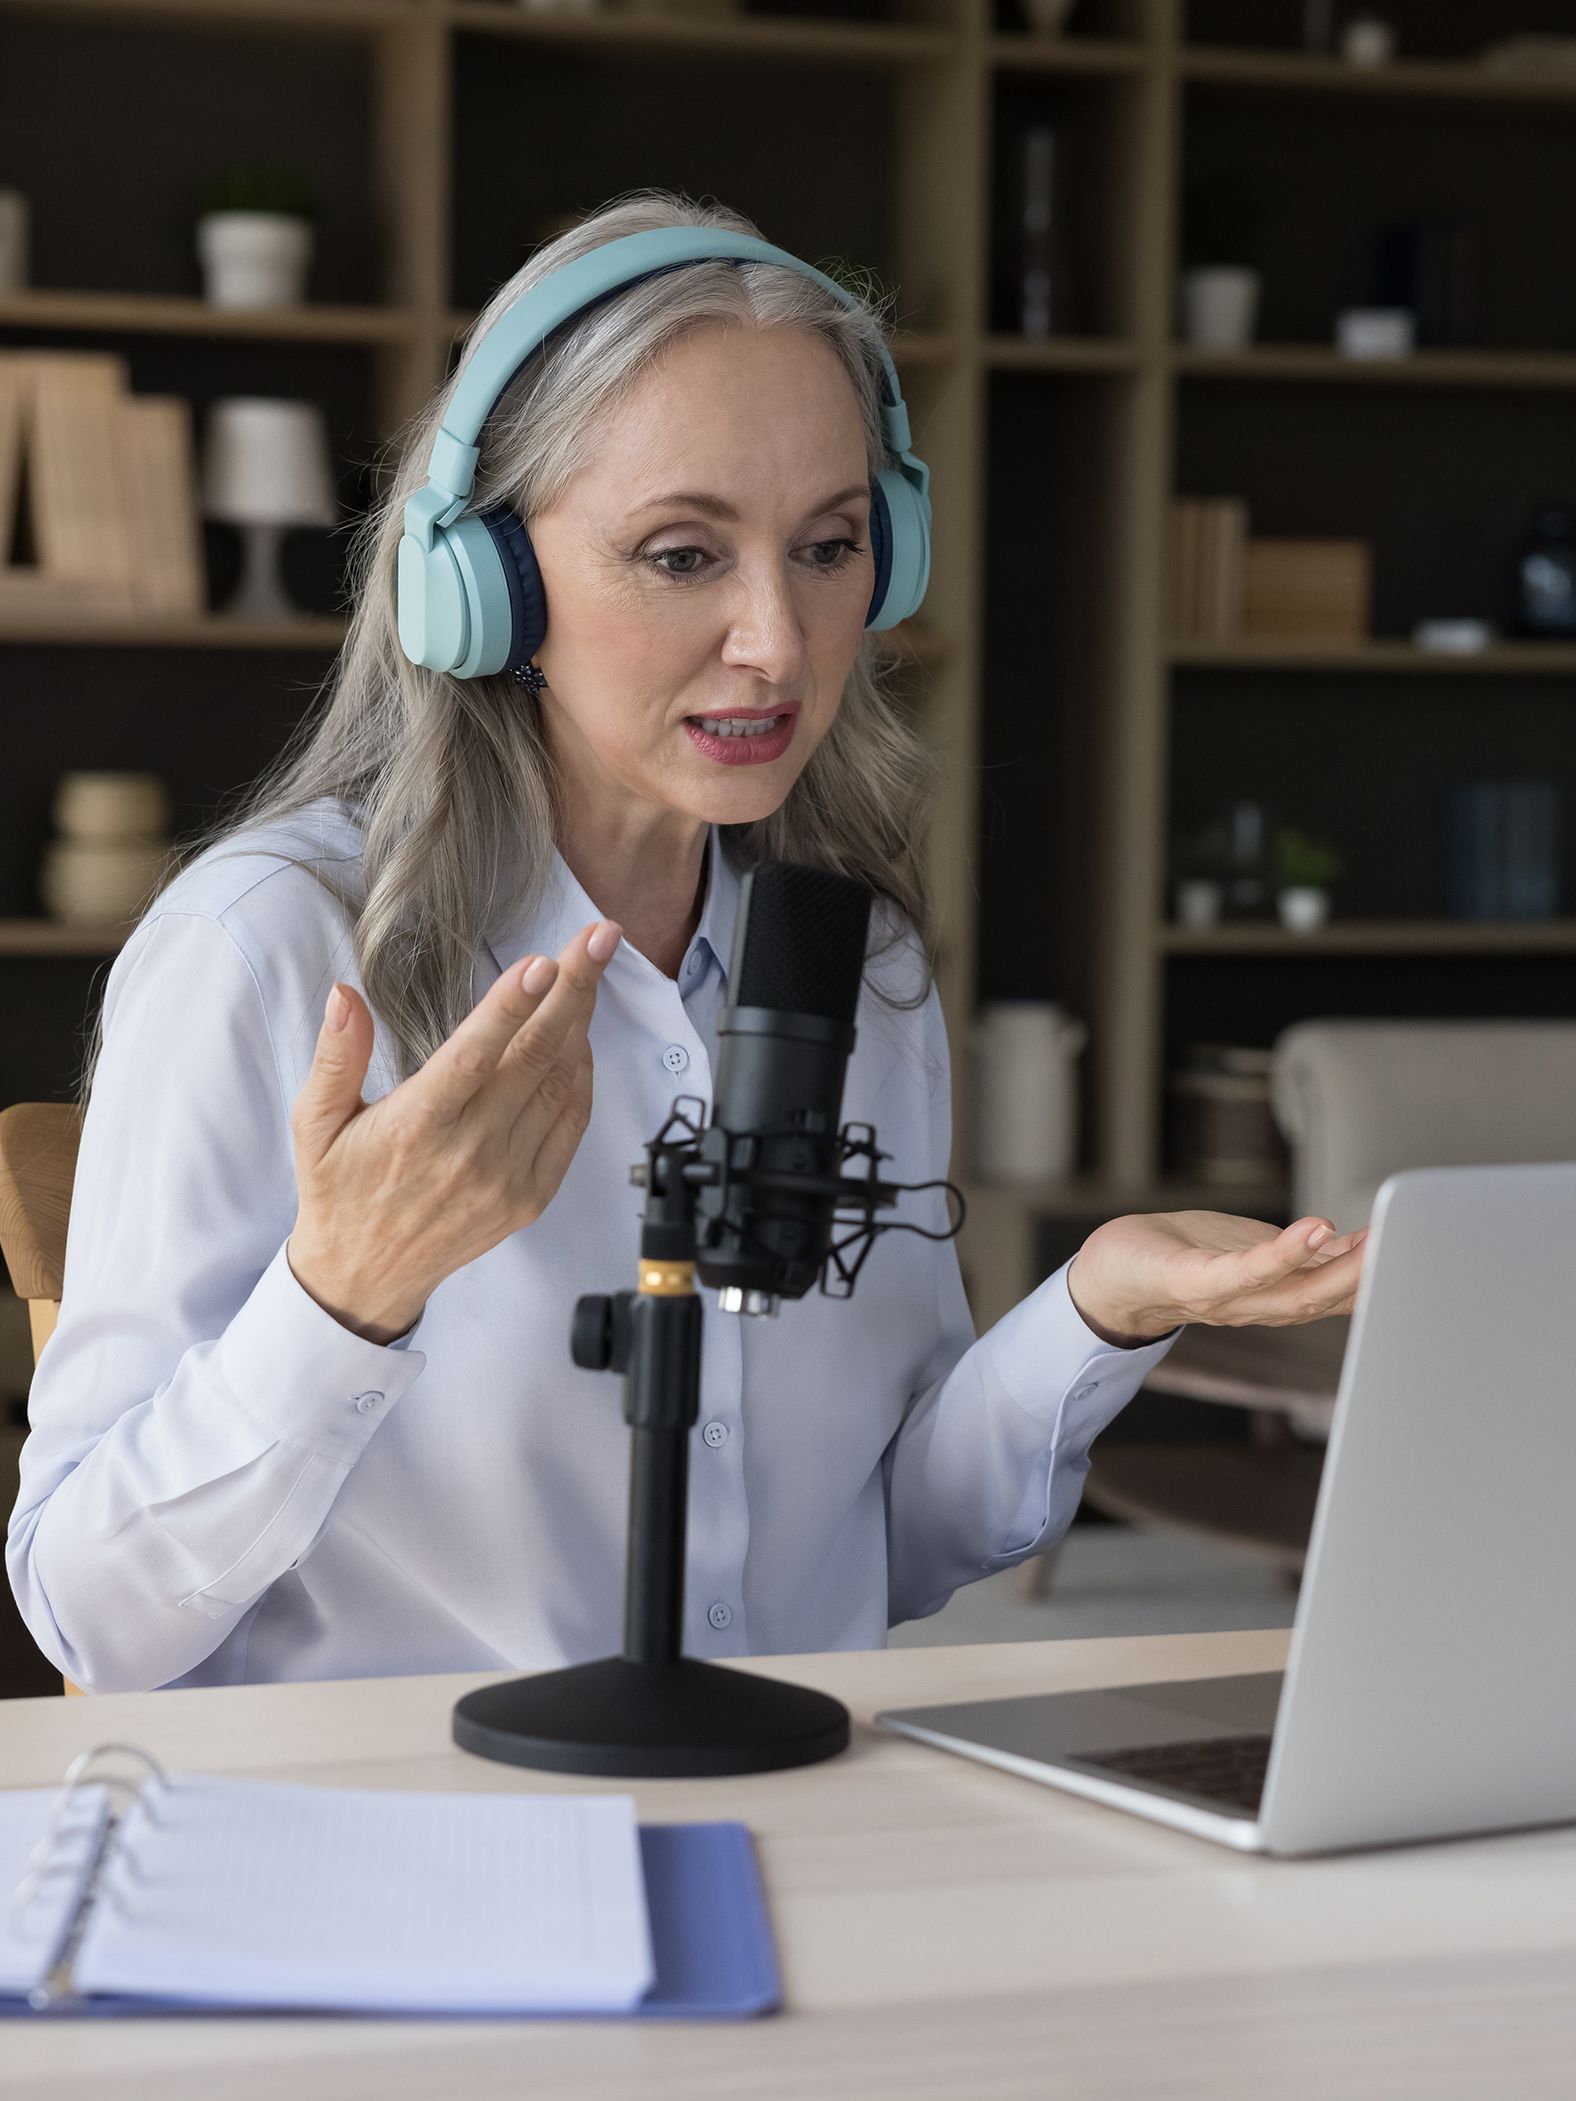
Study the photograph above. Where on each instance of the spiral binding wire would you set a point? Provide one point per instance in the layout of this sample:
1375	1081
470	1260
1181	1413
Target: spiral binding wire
57	1983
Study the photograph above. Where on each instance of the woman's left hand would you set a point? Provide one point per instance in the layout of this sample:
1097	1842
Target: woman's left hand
1135	1279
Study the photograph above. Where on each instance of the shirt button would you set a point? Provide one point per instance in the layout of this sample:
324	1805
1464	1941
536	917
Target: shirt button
715	1434
675	1057
366	1402
694	962
719	1615
1082	1393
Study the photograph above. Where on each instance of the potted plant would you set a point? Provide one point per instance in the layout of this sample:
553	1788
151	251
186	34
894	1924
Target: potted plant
1306	864
1222	227
1198	871
256	230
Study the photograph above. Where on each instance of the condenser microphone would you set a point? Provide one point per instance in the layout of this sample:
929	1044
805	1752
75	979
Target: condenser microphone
763	1224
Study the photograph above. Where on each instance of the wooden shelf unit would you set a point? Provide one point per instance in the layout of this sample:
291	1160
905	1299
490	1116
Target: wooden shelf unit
946	65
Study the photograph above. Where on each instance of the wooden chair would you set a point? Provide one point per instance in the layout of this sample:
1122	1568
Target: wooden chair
38	1164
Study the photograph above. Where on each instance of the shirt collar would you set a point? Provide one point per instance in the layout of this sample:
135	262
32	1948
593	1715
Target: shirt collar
564	907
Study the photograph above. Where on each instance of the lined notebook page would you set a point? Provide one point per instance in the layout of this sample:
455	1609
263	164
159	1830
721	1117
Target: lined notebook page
258	1892
30	1937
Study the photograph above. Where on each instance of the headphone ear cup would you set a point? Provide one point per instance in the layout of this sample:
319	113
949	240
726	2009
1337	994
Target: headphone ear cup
900	541
523	581
881	554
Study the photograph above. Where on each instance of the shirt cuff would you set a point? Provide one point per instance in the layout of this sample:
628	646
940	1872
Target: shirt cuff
1046	1333
304	1375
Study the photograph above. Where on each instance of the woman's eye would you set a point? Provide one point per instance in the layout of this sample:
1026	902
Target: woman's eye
841	552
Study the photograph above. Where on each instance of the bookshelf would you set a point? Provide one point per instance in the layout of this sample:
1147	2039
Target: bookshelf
1075	730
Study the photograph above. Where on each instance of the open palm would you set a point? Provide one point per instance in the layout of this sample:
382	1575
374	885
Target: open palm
1148	1272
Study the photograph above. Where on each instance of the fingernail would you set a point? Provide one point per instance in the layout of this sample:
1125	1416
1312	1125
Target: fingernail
538	973
605	940
337	1012
1318	1236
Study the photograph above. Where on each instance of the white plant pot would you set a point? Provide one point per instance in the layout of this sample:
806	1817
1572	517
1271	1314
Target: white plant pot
252	259
1303	909
1220	307
1199	902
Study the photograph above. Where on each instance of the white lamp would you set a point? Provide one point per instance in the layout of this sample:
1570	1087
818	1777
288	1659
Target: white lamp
266	467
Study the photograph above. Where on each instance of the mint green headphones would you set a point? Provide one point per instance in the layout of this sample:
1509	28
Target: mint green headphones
469	593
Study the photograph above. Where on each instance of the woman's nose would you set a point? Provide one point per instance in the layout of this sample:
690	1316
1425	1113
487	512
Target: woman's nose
767	630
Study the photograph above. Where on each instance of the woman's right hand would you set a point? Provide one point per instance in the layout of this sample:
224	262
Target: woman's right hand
395	1195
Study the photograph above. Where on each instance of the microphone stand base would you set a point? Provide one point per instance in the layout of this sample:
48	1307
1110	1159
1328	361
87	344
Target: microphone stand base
665	1721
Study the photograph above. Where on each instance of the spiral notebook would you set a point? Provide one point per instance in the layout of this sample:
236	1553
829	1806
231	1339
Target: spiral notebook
170	1892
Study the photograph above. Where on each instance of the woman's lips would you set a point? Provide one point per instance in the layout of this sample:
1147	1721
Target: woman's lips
756	749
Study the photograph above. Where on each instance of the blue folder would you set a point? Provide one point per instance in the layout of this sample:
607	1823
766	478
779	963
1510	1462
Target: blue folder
710	1933
711	1939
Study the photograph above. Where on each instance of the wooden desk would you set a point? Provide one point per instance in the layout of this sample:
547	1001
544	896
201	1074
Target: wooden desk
947	1932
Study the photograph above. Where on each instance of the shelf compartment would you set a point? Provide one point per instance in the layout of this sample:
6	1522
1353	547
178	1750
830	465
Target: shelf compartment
114	125
668	119
1098	122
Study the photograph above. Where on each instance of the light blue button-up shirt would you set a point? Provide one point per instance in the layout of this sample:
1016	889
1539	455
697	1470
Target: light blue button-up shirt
222	1483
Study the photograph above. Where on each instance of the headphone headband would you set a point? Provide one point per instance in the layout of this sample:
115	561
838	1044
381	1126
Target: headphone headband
451	610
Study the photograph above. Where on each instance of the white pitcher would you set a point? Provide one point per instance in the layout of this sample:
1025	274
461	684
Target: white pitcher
1026	1094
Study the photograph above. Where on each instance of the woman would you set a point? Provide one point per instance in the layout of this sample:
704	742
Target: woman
309	1410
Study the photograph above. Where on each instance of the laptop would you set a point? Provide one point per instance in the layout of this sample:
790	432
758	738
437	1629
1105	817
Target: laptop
1430	1683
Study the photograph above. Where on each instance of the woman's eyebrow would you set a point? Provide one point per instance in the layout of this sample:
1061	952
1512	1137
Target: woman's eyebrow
717	507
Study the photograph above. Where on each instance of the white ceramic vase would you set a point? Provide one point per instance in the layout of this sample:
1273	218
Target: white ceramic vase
1026	1099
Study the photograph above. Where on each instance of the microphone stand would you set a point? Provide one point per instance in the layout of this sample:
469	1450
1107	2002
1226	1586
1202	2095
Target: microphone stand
654	1711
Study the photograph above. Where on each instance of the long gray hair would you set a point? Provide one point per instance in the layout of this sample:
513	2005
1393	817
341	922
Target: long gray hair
454	779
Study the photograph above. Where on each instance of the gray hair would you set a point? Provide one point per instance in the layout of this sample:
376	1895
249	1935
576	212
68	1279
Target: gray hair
456	787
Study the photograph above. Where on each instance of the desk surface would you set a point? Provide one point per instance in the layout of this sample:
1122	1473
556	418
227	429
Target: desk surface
947	1932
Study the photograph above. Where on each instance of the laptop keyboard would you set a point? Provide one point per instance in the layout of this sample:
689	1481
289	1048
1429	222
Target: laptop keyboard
1225	1769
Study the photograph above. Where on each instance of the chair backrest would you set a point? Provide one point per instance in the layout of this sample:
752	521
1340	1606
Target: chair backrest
1360	1100
38	1164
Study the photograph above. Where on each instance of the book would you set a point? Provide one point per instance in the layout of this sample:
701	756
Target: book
65	417
203	1893
80	515
157	459
1205	558
12	405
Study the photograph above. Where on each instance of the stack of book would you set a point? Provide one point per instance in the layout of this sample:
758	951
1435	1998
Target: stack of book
1307	590
99	486
1224	587
1503	849
1207	548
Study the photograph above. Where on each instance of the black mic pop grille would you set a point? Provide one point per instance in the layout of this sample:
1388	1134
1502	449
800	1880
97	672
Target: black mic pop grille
799	946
